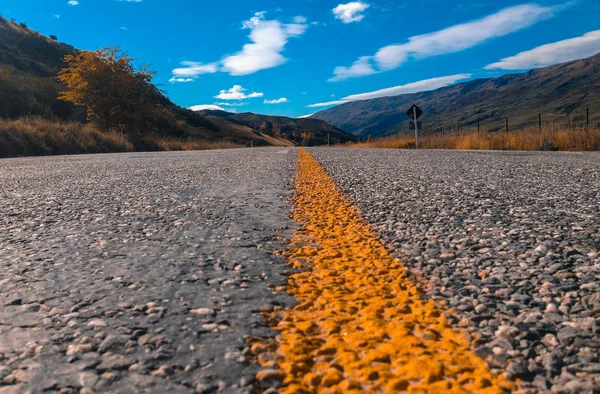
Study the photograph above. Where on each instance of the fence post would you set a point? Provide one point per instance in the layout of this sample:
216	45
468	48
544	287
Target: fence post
587	116
540	121
478	129
507	124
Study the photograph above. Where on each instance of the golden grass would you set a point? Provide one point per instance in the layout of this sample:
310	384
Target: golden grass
34	136
191	144
576	139
37	136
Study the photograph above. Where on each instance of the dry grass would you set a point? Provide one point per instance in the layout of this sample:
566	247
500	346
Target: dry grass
37	136
190	144
577	139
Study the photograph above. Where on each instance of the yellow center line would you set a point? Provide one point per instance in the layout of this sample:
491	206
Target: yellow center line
361	325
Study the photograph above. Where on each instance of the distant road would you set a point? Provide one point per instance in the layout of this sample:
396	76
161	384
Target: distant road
150	272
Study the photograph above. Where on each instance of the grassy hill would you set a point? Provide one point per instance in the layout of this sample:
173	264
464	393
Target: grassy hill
33	121
557	92
28	61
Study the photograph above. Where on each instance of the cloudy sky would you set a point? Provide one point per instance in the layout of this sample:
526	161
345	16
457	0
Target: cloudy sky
297	57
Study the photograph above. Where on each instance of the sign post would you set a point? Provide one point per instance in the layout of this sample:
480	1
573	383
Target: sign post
415	113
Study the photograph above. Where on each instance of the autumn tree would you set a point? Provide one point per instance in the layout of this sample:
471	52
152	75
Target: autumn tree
115	95
307	137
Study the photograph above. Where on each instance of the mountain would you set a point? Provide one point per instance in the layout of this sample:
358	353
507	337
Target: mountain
300	131
30	62
557	92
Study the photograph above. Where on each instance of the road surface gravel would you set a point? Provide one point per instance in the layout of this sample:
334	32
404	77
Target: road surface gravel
139	272
509	240
146	272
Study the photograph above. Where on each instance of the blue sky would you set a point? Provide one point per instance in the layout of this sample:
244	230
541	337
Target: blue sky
296	57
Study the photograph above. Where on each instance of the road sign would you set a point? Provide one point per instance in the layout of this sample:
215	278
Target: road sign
411	125
415	113
411	112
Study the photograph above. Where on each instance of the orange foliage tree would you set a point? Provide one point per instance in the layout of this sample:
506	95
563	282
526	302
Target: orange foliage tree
115	95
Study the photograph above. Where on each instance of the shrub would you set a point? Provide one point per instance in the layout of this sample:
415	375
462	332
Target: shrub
115	94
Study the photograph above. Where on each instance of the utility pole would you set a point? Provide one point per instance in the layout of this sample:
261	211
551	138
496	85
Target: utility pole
507	124
416	127
478	129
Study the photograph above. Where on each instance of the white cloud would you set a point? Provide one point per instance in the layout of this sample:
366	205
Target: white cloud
237	92
328	103
277	101
194	69
419	86
300	19
181	80
360	68
350	12
73	2
57	16
123	28
211	107
268	37
268	41
305	116
413	87
231	104
549	54
255	20
455	38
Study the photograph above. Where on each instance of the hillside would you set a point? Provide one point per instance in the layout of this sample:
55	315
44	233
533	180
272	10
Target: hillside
30	62
556	92
299	131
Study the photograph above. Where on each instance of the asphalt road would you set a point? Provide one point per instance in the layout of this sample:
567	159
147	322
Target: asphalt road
140	272
510	240
147	272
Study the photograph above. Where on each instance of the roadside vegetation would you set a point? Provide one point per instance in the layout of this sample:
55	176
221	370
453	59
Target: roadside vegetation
548	139
35	136
115	96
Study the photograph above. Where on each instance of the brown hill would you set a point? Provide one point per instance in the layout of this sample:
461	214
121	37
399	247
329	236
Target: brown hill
558	92
300	131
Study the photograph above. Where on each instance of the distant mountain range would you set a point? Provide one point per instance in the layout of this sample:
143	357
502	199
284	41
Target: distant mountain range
305	131
29	63
557	92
